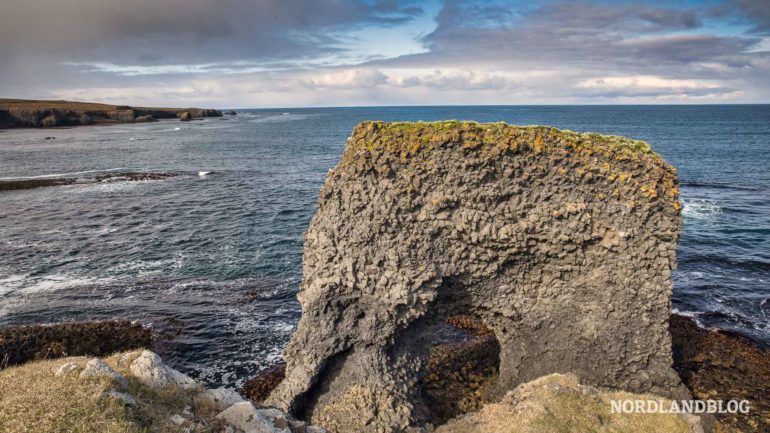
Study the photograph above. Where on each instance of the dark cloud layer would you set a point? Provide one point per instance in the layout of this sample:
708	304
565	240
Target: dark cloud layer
300	51
576	33
187	31
758	12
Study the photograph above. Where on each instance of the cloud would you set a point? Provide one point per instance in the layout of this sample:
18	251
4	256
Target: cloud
456	80
290	53
189	31
757	12
576	34
346	79
652	86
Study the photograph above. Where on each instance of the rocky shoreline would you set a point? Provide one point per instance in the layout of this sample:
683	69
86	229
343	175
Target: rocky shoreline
21	113
462	368
123	176
25	343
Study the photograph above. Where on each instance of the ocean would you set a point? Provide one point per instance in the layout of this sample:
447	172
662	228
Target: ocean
211	258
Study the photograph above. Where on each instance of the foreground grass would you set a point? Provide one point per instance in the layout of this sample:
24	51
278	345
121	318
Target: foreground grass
34	400
559	404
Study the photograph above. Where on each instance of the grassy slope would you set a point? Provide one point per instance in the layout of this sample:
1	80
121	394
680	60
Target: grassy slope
558	404
33	399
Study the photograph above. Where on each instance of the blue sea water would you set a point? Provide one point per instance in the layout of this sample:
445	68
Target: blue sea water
213	261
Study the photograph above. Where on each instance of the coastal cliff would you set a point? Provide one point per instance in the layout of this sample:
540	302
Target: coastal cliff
562	244
16	113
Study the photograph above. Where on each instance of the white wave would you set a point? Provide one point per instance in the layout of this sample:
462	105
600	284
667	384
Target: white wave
149	267
74	173
103	187
177	129
701	209
25	284
690	314
203	173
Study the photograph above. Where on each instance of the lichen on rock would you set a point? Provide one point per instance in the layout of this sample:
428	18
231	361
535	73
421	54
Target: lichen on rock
561	243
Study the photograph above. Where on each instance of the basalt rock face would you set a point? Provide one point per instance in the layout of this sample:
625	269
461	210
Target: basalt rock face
561	243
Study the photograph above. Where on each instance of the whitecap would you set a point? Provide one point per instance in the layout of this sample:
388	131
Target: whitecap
203	173
701	209
24	284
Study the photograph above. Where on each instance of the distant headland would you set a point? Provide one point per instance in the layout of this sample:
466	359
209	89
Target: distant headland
29	113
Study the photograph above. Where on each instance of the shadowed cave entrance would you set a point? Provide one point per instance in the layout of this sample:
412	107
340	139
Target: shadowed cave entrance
461	365
462	368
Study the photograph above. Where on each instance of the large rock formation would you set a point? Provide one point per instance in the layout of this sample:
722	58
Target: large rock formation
561	243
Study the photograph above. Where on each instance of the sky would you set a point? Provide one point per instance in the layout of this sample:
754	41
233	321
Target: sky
295	53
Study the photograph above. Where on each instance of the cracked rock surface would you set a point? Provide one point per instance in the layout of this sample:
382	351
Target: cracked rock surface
561	243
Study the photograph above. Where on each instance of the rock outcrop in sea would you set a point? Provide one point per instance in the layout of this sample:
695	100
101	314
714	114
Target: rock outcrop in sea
561	243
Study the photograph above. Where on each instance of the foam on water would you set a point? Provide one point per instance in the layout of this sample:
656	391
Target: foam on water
701	209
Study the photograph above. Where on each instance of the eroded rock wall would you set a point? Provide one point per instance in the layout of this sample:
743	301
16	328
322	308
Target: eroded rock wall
561	243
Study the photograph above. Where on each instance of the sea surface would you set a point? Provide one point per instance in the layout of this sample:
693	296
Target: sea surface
211	259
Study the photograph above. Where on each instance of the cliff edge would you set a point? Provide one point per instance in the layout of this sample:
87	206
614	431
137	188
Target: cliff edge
561	243
16	113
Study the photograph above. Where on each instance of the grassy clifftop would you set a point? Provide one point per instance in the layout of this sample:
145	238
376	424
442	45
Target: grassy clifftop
631	164
411	137
42	113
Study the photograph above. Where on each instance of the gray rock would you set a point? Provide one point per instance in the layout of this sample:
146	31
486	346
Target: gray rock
149	369
177	419
97	368
145	118
222	398
66	369
124	360
245	417
561	243
124	398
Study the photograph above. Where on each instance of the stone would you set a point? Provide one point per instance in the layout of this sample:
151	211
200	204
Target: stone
149	369
66	369
98	368
222	398
177	419
564	405
124	398
245	417
185	116
145	118
527	229
125	359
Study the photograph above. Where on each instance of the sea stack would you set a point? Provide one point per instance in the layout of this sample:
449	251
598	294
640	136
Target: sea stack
561	243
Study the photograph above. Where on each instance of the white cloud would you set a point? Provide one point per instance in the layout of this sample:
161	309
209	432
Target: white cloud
646	82
346	79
